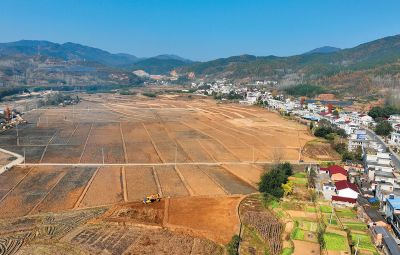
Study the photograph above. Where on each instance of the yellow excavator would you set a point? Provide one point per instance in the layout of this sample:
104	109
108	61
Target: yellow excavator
152	198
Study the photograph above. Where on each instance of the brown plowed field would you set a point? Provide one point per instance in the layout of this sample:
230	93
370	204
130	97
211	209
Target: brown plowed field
199	182
195	151
105	189
218	215
231	183
302	247
248	172
62	154
139	148
10	178
67	191
81	134
140	182
64	133
31	191
112	154
171	184
33	154
217	151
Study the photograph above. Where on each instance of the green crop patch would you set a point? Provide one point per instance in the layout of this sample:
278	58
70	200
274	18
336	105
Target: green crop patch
325	209
335	242
297	234
365	242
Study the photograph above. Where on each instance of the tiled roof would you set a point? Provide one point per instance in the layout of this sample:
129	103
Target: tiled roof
337	169
343	199
344	185
361	115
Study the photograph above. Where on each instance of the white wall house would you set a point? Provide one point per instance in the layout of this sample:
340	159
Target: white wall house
346	189
395	138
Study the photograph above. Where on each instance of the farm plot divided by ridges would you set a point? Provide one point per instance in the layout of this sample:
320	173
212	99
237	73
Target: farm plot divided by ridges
67	192
231	183
171	184
33	154
140	182
62	154
80	135
199	182
138	145
11	178
217	151
30	191
247	172
113	240
106	188
195	151
64	133
104	137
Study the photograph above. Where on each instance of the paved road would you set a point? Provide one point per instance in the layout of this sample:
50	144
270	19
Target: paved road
395	159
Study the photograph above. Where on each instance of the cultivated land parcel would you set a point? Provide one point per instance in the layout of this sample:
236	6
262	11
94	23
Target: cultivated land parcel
179	148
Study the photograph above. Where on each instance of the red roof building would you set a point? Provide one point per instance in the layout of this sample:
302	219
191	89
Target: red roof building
344	185
337	173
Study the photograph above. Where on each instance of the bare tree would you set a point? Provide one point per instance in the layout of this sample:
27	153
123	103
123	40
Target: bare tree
278	154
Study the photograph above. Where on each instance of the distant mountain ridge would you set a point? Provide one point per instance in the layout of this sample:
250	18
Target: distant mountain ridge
325	49
72	51
364	56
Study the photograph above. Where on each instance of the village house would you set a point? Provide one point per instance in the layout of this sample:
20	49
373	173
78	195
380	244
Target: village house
337	173
346	189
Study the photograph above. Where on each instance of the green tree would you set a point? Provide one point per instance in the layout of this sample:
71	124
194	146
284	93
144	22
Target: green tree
383	128
335	113
340	148
311	125
347	155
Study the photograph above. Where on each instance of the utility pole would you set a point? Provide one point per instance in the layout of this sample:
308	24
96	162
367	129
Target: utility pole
253	154
24	158
331	217
102	152
47	122
299	155
357	244
73	111
176	153
17	129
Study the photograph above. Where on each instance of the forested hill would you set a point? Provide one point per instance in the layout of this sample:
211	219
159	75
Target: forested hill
365	56
67	51
154	65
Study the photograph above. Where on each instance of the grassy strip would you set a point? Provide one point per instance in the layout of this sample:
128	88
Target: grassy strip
274	204
355	226
312	210
299	175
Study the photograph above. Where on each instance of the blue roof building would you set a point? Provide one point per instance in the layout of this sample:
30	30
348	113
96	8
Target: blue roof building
393	213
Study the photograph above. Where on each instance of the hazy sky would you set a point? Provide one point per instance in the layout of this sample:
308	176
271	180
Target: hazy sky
200	30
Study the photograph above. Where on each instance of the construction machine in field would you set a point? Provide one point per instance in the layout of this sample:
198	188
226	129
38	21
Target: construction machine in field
152	198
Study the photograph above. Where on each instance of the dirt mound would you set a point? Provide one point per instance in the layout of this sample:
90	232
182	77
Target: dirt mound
134	212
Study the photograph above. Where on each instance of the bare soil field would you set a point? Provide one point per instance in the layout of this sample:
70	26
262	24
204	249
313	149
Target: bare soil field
30	191
171	184
199	182
33	154
302	247
246	172
105	189
62	154
195	151
12	177
232	184
140	182
218	152
138	145
80	135
5	158
64	133
67	192
216	215
113	154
